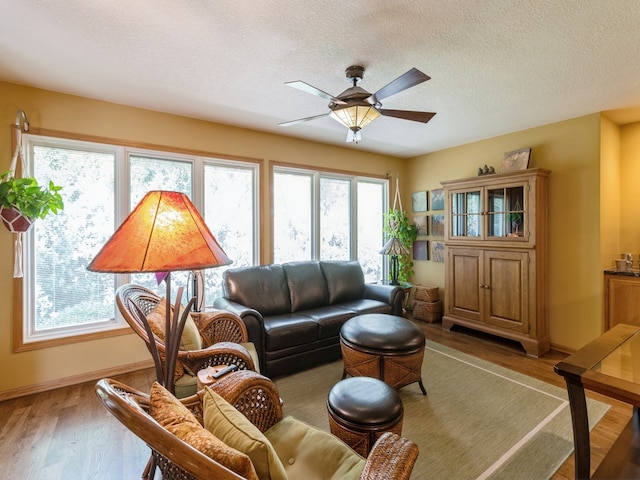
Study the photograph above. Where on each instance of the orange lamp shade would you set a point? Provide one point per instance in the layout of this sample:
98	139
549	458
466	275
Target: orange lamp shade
164	233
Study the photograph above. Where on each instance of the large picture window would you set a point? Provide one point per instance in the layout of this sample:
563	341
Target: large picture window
101	184
327	216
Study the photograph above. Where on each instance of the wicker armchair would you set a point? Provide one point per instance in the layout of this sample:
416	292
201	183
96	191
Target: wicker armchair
223	334
257	398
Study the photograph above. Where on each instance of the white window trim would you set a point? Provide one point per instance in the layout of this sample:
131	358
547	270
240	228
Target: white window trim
316	174
28	338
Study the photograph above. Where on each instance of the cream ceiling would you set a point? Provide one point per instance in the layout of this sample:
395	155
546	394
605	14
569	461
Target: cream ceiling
497	66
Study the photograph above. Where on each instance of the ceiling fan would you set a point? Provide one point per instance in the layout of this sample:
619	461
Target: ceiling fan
355	107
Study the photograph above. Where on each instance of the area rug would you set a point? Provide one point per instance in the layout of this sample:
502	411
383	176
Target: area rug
478	420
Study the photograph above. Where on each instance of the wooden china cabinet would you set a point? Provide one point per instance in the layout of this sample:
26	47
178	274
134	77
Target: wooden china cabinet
496	256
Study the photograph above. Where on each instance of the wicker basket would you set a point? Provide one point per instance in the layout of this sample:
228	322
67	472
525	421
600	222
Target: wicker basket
428	311
426	293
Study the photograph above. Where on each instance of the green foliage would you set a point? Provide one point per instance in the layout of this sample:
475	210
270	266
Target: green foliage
396	224
30	199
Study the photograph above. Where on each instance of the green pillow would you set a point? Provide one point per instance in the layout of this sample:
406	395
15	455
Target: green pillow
234	429
312	454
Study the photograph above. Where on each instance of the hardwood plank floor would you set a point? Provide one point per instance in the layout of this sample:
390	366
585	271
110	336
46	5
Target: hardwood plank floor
66	434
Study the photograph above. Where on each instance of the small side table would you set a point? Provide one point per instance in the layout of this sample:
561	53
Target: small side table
406	286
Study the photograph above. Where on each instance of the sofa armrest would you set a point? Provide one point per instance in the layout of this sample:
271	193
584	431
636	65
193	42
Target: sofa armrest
252	319
393	295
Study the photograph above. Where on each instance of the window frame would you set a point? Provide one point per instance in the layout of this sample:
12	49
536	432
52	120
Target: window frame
317	173
23	318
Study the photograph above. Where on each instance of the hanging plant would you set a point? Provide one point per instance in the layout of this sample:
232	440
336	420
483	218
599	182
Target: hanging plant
25	197
396	224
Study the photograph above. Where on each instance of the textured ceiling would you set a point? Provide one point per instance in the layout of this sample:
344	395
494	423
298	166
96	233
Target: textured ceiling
496	66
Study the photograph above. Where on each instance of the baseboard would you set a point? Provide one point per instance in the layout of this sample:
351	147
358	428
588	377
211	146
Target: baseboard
562	349
73	380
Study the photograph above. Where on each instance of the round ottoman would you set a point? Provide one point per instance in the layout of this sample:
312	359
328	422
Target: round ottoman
383	346
361	409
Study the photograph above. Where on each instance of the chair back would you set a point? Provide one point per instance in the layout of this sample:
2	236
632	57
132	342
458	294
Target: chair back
177	459
129	295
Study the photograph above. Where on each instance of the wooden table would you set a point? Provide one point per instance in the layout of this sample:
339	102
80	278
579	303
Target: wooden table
609	365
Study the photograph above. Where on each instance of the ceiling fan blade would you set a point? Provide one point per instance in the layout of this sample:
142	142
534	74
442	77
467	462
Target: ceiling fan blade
301	120
407	80
423	117
305	87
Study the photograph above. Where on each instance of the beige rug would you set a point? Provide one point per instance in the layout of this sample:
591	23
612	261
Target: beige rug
478	421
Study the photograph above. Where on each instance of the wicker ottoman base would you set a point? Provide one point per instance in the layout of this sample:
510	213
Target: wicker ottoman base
361	409
385	347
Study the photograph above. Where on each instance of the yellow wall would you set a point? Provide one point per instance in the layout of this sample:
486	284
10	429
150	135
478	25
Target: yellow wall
630	190
610	195
49	110
571	150
593	208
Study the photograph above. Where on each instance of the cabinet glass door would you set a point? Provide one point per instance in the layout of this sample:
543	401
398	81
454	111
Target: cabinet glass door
465	214
505	212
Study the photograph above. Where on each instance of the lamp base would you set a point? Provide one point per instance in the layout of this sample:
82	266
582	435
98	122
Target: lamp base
394	270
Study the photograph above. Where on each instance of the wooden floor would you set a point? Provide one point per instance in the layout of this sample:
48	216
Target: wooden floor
67	434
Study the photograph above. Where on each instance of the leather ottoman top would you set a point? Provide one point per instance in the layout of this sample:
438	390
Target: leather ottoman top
382	332
365	401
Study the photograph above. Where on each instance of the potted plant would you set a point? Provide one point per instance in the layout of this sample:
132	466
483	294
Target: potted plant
396	224
23	200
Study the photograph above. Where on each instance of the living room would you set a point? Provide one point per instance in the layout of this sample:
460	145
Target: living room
592	192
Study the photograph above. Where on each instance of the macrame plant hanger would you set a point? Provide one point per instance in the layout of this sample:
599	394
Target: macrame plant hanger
397	201
20	224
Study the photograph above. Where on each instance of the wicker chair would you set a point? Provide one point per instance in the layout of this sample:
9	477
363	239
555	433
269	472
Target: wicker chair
257	398
224	336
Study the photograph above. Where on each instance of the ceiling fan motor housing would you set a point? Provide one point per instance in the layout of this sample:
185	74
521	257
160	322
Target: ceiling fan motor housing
354	73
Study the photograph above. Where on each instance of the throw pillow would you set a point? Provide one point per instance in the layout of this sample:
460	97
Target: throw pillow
311	453
171	414
190	340
234	429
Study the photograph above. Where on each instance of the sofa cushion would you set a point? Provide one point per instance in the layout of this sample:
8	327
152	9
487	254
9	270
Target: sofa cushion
366	305
234	429
307	286
345	280
177	419
329	319
312	454
289	329
263	288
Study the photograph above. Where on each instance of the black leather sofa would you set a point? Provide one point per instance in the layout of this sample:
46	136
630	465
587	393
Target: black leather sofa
294	311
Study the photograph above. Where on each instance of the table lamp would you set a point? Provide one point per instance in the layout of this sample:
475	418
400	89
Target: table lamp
163	233
394	247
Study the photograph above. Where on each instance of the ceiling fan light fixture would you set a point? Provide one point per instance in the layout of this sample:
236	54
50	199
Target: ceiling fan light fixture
354	116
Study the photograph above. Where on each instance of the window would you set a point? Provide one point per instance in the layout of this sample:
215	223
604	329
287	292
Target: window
324	216
101	185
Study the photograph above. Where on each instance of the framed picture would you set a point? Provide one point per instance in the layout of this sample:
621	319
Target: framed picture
419	201
437	199
516	160
437	225
421	223
437	252
420	249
